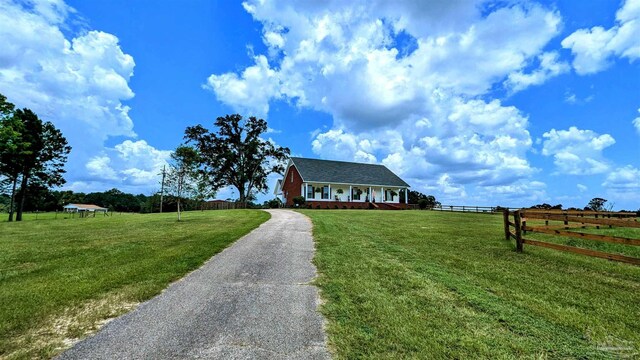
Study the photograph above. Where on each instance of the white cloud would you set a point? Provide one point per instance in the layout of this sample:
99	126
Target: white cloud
577	152
251	91
402	81
99	166
80	84
593	48
549	67
131	163
582	188
623	185
624	178
81	81
636	123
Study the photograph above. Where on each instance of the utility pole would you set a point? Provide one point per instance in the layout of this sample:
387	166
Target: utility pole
164	173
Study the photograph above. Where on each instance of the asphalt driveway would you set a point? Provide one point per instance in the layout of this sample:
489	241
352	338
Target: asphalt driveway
251	301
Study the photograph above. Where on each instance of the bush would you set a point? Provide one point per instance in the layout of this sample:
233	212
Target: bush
273	203
298	201
423	203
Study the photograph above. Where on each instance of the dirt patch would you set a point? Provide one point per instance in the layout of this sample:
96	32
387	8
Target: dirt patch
71	325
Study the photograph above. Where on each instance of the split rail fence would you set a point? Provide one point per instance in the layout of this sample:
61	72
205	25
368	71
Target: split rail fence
463	208
570	221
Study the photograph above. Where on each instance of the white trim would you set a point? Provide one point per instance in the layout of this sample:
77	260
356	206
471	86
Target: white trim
357	184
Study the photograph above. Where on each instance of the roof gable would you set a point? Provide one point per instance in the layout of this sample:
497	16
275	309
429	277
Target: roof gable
342	172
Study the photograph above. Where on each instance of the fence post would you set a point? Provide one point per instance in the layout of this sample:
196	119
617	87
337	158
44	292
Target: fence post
505	216
516	220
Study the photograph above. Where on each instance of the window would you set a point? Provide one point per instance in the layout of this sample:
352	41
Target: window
292	176
356	193
310	192
325	192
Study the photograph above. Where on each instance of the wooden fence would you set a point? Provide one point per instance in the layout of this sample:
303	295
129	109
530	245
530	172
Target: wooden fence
468	208
571	220
222	205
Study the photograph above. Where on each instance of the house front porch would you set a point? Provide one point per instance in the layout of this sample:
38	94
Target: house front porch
347	196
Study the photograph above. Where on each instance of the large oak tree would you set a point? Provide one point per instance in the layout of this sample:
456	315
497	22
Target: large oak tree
236	155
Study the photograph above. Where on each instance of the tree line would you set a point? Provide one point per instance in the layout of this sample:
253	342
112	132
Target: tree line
32	155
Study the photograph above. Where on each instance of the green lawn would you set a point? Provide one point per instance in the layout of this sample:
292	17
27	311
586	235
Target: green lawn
421	284
59	278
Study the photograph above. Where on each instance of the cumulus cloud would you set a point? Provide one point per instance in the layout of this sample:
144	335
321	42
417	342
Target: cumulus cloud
593	48
577	152
624	179
636	123
131	163
623	184
549	67
404	82
78	82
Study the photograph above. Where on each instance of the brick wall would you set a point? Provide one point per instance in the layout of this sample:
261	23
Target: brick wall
291	189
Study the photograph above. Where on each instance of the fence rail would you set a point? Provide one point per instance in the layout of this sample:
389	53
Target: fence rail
471	208
582	220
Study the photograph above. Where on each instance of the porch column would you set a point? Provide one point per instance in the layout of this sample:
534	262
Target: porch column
370	195
406	196
329	185
382	194
350	193
304	188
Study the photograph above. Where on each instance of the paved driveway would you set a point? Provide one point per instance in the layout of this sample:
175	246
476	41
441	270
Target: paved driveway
251	301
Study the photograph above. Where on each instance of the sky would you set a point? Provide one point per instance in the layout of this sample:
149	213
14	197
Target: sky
486	103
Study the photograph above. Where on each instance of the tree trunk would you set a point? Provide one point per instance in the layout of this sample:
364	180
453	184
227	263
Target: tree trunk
242	197
13	198
179	195
22	196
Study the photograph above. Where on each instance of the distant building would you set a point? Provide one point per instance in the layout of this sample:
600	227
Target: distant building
328	183
85	209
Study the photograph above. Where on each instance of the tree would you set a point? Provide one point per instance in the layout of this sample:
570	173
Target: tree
416	197
545	206
236	155
13	149
183	174
41	154
596	204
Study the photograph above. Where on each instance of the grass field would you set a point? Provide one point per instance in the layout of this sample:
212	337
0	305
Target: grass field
60	278
420	284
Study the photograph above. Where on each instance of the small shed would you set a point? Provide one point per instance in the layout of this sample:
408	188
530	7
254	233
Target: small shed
85	209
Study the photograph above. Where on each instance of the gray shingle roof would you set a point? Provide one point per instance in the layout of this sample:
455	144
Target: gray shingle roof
341	172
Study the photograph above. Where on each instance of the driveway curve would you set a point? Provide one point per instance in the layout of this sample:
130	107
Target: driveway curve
251	301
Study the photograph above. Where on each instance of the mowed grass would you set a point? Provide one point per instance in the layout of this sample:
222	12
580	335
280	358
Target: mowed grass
436	285
59	278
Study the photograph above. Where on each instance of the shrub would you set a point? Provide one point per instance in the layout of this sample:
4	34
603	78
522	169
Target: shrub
298	201
423	203
274	203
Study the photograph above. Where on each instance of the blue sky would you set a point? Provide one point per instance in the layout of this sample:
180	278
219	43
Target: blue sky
476	102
